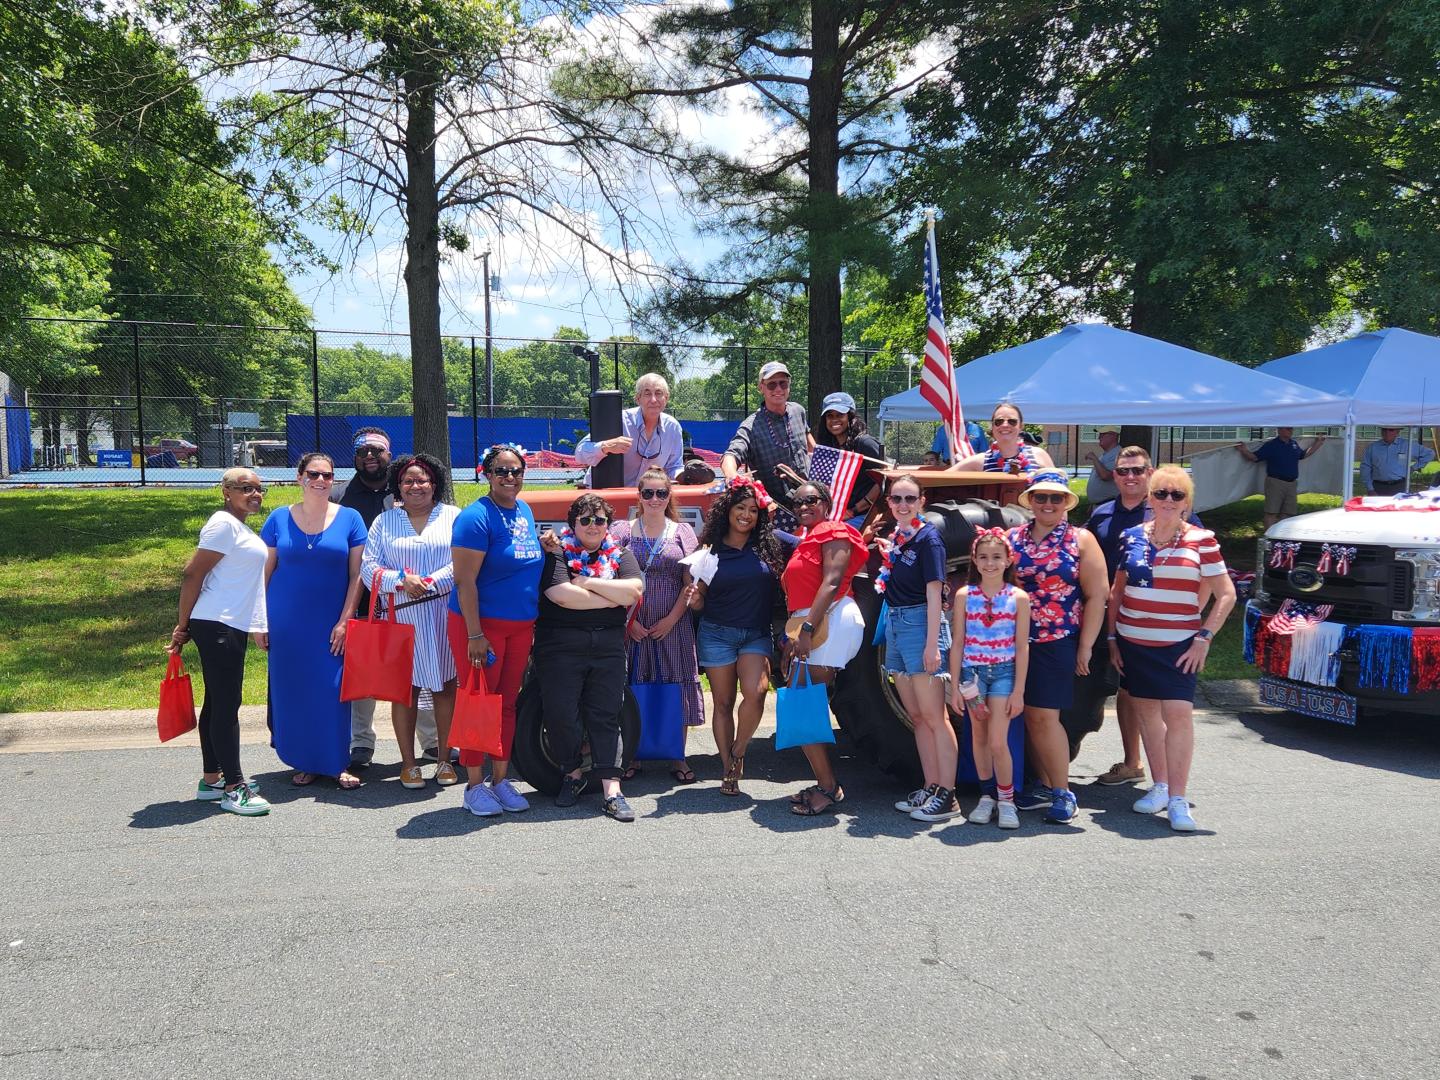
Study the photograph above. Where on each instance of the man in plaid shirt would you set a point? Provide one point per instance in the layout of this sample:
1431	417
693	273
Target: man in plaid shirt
777	434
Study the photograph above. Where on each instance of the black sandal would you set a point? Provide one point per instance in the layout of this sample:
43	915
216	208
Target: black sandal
730	785
803	795
807	809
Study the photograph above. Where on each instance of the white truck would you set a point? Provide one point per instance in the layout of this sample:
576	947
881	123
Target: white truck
1382	571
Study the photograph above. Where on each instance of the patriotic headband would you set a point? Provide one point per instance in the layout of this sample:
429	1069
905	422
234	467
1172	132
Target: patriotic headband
988	534
762	497
372	438
1049	477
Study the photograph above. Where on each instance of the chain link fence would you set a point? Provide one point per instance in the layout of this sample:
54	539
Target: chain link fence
134	403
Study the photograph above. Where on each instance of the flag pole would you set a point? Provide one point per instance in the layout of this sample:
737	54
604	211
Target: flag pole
952	425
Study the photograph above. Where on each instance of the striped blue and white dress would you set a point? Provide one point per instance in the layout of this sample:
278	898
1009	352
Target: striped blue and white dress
394	547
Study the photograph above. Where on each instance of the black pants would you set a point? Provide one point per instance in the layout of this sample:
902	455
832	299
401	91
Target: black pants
1388	487
222	663
582	687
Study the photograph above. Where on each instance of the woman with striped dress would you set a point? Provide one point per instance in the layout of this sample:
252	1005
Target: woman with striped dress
1169	570
409	545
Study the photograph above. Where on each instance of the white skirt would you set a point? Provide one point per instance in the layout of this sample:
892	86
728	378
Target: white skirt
844	637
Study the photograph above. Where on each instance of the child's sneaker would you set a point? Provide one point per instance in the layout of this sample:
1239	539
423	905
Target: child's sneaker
1009	818
984	811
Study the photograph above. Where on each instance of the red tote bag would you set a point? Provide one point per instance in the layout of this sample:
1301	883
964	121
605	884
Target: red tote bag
379	656
476	723
177	701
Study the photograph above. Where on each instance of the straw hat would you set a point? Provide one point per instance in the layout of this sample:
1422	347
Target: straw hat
1050	480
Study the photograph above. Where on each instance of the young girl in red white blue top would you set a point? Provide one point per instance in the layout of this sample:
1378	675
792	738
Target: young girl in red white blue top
992	618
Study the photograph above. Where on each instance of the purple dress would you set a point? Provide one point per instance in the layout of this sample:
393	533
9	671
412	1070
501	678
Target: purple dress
672	658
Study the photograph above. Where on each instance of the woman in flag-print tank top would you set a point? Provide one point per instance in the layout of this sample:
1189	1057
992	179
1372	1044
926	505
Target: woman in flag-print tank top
1009	452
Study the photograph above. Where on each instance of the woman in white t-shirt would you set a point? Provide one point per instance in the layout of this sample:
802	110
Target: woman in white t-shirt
222	600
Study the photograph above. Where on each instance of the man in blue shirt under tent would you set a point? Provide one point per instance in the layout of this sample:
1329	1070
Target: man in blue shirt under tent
1385	468
1282	456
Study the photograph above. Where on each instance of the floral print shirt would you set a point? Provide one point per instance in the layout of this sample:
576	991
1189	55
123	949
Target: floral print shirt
1049	570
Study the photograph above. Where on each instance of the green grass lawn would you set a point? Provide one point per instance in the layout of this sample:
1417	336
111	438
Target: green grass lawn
92	578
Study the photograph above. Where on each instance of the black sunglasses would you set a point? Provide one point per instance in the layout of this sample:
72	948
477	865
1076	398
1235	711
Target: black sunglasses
1003	421
592	519
1166	493
807	500
1044	498
778	384
904	500
507	470
654	493
1129	470
315	475
371	451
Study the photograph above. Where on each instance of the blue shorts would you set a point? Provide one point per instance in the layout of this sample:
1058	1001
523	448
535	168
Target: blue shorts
1150	671
905	629
717	645
996	680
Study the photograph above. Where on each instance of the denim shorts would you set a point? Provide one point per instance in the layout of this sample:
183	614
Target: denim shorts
719	646
905	629
996	680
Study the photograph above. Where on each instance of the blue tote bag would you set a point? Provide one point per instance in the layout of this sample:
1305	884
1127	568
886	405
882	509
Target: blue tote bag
662	719
802	713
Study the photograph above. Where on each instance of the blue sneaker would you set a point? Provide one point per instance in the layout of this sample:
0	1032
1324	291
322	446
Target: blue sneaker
1063	809
510	799
1035	797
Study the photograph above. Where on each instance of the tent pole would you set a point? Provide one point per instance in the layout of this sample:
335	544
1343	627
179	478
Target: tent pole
1347	486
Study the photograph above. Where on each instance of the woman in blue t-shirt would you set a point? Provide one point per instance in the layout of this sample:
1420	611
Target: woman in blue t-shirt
493	607
917	645
734	641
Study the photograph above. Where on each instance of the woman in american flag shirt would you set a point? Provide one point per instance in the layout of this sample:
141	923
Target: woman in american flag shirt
1169	571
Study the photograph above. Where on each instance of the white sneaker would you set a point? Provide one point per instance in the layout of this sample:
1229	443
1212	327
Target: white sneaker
243	801
1009	816
915	800
1154	800
1179	813
481	802
984	811
206	792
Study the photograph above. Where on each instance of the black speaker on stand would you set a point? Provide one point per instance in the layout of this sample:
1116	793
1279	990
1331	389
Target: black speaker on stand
605	407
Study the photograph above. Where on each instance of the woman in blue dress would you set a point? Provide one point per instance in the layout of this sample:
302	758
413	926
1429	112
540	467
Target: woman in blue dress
312	584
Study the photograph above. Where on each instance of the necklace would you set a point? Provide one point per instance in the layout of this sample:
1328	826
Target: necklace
602	563
310	541
1174	537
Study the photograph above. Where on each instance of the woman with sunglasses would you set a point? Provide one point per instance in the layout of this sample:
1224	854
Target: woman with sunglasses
662	633
817	590
580	651
1169	571
1009	452
409	546
917	645
1062	569
222	605
493	607
733	642
312	581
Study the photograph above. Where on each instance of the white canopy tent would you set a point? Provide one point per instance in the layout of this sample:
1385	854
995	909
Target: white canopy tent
1387	377
1090	372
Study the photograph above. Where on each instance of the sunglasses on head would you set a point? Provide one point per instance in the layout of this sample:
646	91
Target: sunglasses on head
649	494
807	500
1166	493
1004	421
507	470
1129	470
904	500
592	519
1046	498
315	474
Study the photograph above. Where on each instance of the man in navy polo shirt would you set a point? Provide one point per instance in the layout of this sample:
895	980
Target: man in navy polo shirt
1282	456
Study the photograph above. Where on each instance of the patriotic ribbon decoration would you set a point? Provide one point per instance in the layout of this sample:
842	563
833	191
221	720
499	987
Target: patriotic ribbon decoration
1282	554
890	548
762	497
1296	615
603	563
1335	557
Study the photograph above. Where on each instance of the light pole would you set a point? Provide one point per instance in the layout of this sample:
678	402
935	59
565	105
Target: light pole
489	355
911	361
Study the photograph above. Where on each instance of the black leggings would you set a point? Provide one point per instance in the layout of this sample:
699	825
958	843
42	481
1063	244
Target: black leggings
582	686
222	663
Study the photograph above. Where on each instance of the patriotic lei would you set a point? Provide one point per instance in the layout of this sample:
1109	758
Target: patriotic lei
887	551
602	563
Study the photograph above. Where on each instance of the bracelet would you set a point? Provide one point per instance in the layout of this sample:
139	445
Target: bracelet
1112	637
476	637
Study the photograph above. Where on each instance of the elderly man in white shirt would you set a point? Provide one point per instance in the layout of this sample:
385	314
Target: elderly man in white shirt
651	437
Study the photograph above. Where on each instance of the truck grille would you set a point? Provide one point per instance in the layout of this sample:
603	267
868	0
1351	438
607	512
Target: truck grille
1376	587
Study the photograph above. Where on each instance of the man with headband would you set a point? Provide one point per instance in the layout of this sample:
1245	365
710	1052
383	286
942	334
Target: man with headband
368	493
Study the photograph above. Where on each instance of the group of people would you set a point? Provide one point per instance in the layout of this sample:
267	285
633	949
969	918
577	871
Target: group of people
605	602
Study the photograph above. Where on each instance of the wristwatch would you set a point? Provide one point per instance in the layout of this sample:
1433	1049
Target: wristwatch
807	628
1204	635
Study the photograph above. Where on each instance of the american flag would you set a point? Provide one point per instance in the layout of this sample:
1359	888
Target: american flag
937	377
1296	615
838	470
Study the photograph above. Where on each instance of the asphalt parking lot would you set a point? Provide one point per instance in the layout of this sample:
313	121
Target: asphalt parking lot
388	933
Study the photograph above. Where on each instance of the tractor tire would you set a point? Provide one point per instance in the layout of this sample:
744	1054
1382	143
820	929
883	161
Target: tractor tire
867	707
1087	709
530	753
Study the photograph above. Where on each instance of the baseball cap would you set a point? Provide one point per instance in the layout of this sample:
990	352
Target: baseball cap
839	402
774	367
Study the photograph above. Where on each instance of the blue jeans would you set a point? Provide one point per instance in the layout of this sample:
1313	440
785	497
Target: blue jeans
996	680
905	630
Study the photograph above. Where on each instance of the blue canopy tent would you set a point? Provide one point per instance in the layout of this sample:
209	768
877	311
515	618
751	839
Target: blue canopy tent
1388	377
1089	372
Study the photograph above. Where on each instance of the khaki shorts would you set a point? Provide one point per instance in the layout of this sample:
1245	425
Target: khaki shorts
1280	497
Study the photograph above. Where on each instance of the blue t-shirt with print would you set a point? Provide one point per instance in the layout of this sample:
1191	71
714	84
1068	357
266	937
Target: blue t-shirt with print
919	562
509	578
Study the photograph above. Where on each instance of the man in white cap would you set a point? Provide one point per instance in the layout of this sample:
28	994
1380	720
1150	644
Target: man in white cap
777	433
1101	485
651	438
